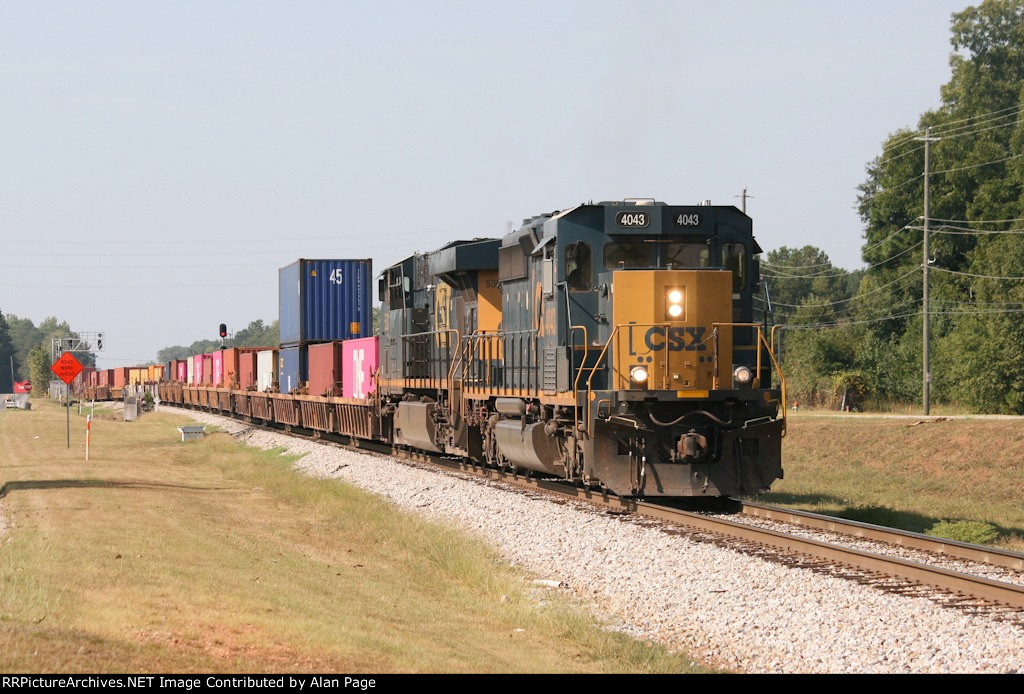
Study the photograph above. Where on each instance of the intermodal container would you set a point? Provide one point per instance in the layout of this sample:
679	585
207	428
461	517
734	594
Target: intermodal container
218	369
197	369
324	300
247	370
190	365
358	366
207	369
324	368
292	364
229	367
266	369
183	369
156	373
106	378
120	376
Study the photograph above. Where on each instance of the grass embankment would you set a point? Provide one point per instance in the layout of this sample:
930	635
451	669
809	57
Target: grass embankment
209	556
904	474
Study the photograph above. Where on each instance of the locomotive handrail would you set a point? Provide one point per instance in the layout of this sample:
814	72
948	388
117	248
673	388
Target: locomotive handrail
761	340
451	375
423	336
579	371
509	357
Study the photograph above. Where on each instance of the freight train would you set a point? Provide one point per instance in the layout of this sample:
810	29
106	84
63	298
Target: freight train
612	345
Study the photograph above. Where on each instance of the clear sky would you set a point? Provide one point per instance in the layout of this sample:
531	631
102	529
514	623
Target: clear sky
160	161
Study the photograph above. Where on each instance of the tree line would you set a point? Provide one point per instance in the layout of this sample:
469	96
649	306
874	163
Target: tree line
860	333
256	334
26	346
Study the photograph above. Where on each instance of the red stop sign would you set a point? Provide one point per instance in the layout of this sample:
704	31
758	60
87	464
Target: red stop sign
67	367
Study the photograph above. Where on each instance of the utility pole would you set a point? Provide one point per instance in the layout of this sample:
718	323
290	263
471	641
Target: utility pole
925	352
743	196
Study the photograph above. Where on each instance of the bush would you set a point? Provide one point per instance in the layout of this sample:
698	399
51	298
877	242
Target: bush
147	402
975	532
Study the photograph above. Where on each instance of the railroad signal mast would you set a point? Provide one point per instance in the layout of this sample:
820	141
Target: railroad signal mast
79	342
223	331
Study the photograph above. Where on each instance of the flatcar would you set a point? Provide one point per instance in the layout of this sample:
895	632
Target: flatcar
612	345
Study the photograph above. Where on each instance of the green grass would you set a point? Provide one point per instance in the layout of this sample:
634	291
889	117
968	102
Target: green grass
901	474
159	556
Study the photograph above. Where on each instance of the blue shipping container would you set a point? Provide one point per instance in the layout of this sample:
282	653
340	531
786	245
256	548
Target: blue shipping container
291	368
323	300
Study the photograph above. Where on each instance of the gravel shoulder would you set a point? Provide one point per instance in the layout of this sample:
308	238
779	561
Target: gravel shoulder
728	610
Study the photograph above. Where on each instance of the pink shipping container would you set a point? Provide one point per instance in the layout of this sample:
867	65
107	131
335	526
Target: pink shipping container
106	378
324	368
358	365
183	371
218	369
197	369
207	369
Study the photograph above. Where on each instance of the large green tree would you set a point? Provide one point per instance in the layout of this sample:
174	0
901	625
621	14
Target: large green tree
977	189
6	355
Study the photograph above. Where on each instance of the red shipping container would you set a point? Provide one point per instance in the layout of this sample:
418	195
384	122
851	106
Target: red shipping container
207	368
324	362
229	367
247	370
120	376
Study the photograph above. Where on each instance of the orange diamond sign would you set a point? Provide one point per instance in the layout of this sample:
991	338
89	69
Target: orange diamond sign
67	367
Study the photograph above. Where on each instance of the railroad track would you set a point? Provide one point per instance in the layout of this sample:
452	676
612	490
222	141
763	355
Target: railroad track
966	592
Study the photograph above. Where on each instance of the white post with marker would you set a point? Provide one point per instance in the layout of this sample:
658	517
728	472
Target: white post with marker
88	435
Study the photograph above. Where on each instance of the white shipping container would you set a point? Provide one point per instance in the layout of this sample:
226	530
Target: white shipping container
191	371
266	369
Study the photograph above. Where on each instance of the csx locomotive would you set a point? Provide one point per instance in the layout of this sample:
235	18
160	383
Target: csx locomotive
611	344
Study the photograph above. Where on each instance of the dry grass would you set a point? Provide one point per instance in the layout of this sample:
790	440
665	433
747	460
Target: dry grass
162	556
900	473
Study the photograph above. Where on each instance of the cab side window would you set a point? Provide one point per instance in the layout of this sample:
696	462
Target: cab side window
734	257
579	273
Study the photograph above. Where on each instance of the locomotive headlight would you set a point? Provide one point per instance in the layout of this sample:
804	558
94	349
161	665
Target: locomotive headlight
742	375
638	374
674	304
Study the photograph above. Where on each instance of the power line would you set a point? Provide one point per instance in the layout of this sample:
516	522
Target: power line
966	231
975	166
836	324
971	274
979	221
1016	107
772	268
858	296
188	285
335	237
945	130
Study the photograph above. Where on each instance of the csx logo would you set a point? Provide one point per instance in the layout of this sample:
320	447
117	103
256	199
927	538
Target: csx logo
678	339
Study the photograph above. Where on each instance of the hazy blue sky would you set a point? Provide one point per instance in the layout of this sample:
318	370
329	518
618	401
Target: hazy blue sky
160	161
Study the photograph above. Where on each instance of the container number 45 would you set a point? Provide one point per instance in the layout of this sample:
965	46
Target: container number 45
336	276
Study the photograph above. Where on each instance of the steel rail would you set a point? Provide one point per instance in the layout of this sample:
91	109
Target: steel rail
892	536
955	582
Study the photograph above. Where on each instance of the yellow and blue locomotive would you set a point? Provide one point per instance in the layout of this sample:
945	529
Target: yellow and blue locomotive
611	345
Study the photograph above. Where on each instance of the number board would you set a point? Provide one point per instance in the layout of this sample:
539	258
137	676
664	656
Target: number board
67	367
683	220
633	219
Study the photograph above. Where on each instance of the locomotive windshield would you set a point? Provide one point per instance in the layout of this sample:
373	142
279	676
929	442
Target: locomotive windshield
694	252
